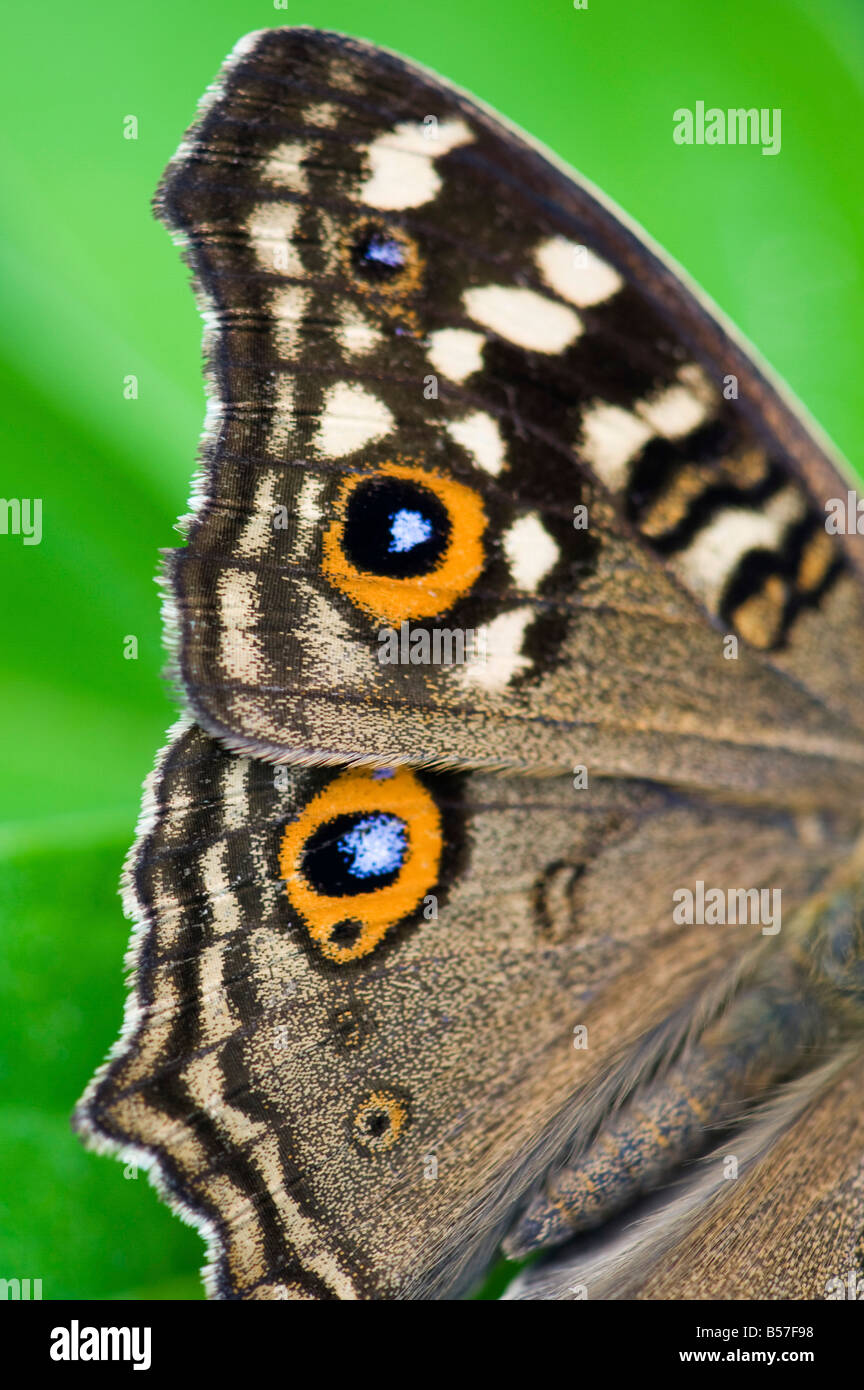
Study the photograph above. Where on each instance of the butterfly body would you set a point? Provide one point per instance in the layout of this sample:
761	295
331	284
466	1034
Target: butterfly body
452	392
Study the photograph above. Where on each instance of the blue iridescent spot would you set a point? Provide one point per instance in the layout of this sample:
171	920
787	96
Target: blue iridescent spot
383	251
374	846
407	529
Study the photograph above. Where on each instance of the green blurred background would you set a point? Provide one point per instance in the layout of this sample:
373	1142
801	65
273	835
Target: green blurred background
94	291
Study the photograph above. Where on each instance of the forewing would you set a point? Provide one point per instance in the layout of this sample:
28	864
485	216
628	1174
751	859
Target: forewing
429	347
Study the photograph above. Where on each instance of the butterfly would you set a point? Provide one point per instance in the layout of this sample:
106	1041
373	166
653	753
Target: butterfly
506	613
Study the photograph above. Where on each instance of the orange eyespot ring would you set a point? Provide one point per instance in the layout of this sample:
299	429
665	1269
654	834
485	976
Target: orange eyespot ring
361	829
379	1121
442	527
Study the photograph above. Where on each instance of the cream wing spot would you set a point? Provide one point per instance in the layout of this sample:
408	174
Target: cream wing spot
682	407
283	416
531	552
524	317
309	515
709	561
456	352
235	794
402	172
242	656
321	113
289	306
258	531
480	436
576	273
501	658
283	167
355	333
351	418
611	439
271	228
225	913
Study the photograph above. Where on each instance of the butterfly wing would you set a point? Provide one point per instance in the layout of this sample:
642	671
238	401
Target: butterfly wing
452	391
350	1045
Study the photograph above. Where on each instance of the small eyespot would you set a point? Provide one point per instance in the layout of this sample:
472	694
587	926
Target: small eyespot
379	1121
385	264
360	858
405	543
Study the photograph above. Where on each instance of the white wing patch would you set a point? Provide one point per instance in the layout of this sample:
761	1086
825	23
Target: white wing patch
611	439
284	169
289	306
242	656
283	416
355	334
715	552
531	552
576	273
480	436
258	531
402	171
322	114
524	317
234	799
680	408
612	436
351	418
309	515
502	658
456	352
271	228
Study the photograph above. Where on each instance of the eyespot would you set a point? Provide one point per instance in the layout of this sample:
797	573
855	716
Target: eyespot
406	543
382	261
360	858
379	1121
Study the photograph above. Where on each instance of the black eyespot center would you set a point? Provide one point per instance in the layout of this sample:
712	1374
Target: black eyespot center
377	1123
395	528
353	853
